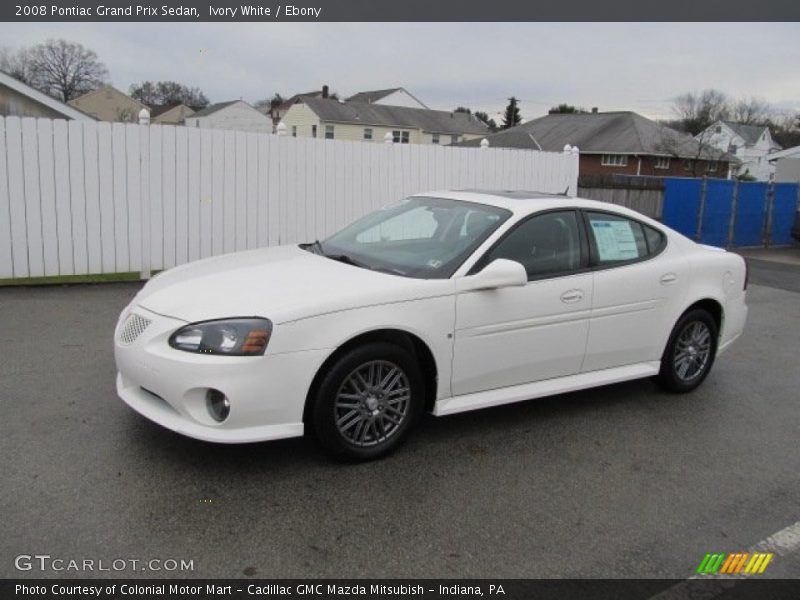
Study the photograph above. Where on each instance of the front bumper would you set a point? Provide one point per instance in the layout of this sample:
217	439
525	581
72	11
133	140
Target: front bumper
168	386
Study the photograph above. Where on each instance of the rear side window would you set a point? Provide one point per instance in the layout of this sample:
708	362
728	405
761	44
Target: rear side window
655	240
616	239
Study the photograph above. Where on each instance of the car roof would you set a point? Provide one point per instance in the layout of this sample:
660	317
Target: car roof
524	202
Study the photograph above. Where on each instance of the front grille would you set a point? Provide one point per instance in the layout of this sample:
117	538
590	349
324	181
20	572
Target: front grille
132	329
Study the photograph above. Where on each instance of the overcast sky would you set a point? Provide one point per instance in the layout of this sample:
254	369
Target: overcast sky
634	66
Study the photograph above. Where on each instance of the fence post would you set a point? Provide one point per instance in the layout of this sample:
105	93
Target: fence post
701	210
766	237
145	199
732	220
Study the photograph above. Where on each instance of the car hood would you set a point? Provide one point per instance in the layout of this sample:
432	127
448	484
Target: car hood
283	283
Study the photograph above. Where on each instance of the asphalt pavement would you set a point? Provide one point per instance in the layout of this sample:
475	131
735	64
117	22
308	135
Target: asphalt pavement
621	481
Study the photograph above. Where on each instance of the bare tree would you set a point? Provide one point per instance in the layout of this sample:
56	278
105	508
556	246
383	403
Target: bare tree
749	111
64	70
15	63
168	92
267	105
698	153
697	110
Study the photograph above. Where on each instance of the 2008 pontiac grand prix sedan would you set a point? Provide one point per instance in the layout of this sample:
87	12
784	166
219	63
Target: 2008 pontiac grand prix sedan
446	302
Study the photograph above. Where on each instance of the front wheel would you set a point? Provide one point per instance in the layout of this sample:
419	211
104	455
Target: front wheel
367	401
690	352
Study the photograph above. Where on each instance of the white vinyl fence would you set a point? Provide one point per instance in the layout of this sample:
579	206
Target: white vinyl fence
84	198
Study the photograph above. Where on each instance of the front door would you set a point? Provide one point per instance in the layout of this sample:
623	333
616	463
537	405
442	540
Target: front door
518	335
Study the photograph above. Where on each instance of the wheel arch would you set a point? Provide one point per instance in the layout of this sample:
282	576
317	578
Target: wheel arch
399	337
711	305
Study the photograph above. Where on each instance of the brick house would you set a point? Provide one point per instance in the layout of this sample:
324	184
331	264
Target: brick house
613	143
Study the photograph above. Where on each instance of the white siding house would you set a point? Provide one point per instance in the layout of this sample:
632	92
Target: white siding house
371	122
236	115
751	144
787	165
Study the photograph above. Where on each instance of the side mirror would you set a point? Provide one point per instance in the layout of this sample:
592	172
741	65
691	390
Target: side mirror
499	273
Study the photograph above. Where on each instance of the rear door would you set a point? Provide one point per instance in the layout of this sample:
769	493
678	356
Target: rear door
638	283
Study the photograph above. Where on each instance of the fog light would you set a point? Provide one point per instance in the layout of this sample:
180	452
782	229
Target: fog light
218	405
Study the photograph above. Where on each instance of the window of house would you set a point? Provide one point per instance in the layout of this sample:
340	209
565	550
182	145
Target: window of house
718	129
435	138
453	139
328	132
313	131
294	130
546	245
662	162
400	137
367	133
688	165
713	165
614	160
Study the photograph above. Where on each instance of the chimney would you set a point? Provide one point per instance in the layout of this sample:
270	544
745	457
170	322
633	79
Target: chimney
324	91
594	110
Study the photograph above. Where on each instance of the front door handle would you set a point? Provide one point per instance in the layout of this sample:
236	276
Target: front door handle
571	296
668	278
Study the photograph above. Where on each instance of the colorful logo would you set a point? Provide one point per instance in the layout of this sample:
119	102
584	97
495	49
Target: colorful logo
735	563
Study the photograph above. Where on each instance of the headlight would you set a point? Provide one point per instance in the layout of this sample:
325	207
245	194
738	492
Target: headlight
231	337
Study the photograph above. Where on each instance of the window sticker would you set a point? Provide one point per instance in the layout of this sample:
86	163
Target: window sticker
615	240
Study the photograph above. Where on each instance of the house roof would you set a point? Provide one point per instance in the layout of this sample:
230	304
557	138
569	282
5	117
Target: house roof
372	96
66	110
622	132
160	109
363	113
212	108
376	95
793	152
104	89
749	133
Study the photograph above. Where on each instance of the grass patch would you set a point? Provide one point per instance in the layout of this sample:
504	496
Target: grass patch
69	279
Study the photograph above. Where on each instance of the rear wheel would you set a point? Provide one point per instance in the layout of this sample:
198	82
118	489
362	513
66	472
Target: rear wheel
367	401
690	352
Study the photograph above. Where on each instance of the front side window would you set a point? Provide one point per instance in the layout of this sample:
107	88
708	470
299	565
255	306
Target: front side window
367	133
546	245
426	238
328	132
400	137
294	130
435	138
313	131
616	239
454	139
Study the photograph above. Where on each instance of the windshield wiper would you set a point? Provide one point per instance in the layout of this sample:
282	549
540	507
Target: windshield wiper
348	260
315	247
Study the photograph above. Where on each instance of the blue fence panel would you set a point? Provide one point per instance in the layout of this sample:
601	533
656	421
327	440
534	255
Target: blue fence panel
717	212
751	212
783	210
681	204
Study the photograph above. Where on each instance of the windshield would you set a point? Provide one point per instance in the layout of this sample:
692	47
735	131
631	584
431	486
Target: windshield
426	238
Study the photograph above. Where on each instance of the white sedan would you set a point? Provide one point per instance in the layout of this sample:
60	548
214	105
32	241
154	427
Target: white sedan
444	302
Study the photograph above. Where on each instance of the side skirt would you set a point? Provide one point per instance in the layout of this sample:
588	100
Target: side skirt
547	387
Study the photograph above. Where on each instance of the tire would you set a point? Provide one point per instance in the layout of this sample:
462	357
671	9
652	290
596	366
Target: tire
367	401
690	352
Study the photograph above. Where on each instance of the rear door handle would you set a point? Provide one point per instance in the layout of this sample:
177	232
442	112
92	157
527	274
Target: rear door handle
668	278
571	296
